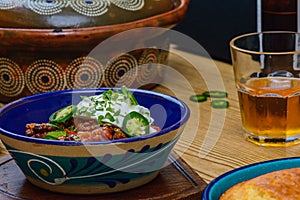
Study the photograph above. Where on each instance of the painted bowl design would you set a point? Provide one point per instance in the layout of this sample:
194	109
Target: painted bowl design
45	44
92	167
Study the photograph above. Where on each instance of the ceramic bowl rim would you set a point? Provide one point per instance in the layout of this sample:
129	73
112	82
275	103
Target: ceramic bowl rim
181	8
209	187
183	119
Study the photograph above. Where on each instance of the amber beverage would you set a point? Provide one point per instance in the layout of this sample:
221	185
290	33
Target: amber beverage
267	77
270	109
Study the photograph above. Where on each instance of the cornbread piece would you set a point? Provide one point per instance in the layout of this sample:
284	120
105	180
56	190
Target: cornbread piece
278	185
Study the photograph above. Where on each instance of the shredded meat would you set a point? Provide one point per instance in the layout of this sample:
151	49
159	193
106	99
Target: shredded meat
96	135
87	130
84	124
38	130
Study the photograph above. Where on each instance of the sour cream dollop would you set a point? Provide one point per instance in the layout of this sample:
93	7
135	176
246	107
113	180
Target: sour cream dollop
112	107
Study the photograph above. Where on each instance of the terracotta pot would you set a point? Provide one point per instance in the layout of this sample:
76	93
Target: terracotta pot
42	51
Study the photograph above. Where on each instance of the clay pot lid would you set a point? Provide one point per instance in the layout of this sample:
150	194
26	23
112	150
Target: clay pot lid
45	14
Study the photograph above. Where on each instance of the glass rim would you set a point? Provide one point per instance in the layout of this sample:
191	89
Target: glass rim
233	46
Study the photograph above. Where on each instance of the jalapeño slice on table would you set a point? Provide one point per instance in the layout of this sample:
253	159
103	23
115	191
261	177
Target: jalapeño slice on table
198	98
63	114
135	124
215	94
220	104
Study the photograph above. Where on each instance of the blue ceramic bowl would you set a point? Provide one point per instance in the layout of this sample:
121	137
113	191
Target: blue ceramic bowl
92	167
218	186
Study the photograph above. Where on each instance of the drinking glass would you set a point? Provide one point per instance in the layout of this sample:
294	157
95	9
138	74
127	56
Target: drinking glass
267	77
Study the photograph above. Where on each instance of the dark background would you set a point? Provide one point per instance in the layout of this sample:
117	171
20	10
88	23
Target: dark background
213	23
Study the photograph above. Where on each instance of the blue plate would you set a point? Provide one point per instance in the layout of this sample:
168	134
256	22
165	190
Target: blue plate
219	185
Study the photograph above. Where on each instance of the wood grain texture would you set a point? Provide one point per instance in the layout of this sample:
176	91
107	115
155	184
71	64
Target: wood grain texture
212	152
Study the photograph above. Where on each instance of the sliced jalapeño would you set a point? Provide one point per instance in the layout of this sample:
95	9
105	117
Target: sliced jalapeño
135	124
215	94
63	114
198	98
220	104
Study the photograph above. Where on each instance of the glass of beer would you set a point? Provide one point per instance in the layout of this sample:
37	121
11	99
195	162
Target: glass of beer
267	76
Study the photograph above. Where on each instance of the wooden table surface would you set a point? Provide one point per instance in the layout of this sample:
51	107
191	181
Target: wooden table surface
212	142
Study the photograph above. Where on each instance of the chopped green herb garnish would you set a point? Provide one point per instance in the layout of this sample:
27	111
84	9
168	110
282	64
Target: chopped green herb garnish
129	95
100	119
110	109
109	117
55	135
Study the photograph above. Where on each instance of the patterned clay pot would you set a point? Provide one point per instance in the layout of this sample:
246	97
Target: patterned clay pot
46	45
